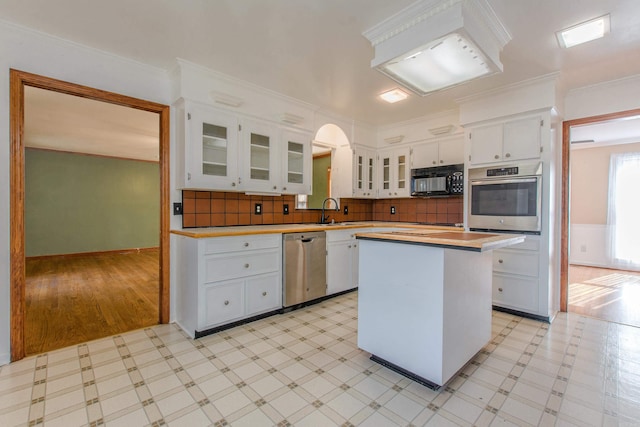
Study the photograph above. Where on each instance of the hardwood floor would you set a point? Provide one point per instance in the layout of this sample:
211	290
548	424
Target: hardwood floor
73	299
612	295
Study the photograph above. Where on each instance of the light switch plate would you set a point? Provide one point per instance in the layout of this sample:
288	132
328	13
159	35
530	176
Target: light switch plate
177	208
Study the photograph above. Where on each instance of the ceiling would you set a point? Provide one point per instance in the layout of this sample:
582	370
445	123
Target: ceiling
313	50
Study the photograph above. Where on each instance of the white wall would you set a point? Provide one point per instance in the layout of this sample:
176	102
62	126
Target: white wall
37	53
603	98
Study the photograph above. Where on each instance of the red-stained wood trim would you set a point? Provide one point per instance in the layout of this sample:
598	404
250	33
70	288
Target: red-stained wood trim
18	80
565	222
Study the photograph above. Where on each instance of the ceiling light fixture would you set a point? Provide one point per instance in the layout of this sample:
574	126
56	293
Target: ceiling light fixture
436	44
394	95
584	32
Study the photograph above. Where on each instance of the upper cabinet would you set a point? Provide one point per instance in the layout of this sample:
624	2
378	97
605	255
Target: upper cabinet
296	162
512	140
208	151
438	153
220	150
364	175
394	173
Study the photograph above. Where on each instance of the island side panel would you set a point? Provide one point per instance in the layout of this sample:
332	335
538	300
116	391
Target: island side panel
400	305
467	307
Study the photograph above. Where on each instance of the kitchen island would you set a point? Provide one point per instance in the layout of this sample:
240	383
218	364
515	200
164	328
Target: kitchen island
424	299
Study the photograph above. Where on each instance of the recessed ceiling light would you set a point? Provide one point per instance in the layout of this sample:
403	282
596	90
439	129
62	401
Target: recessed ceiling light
584	32
394	95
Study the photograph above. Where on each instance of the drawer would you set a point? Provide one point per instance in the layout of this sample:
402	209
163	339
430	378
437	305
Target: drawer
516	262
263	293
235	265
530	243
342	235
223	245
520	293
221	303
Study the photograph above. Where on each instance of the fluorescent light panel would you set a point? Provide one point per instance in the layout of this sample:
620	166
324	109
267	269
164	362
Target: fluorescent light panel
394	95
442	63
584	32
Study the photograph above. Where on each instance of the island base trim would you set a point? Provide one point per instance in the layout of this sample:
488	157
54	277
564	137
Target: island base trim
395	368
546	319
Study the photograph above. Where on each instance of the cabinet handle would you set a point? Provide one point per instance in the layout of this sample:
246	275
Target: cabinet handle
441	161
189	176
355	246
284	188
496	157
264	294
349	246
226	302
246	266
500	261
233	184
275	188
433	162
246	244
499	289
508	155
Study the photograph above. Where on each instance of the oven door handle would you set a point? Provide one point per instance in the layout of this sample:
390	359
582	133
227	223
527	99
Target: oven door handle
504	181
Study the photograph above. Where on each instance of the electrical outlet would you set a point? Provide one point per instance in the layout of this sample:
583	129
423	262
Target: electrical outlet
258	209
285	209
346	210
393	210
177	208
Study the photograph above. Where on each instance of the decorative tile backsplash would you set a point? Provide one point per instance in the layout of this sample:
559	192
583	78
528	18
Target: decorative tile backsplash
215	208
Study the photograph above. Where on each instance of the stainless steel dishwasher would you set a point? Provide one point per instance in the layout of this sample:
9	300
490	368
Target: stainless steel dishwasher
305	267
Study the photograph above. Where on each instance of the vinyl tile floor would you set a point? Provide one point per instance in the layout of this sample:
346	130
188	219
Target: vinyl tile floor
303	368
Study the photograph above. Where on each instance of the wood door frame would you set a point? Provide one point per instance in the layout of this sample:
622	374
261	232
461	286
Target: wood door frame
18	80
566	173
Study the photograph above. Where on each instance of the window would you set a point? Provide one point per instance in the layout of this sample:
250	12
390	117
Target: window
624	210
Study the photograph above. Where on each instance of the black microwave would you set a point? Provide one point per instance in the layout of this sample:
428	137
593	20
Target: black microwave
438	181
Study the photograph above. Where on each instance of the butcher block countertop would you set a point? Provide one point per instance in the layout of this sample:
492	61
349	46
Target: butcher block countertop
472	241
245	230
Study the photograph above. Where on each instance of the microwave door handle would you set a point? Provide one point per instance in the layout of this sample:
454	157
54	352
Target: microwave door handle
503	181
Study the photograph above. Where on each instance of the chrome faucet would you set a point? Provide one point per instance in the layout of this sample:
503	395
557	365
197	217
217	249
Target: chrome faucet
323	219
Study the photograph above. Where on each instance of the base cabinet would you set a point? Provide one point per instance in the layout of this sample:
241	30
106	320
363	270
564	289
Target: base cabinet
225	279
342	260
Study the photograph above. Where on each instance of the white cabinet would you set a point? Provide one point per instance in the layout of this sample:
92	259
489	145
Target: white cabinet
516	276
207	148
364	176
220	150
512	140
296	162
394	173
439	153
342	260
260	157
225	279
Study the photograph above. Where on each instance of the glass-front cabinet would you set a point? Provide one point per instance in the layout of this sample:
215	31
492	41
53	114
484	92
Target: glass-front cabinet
260	157
364	173
394	173
210	151
296	162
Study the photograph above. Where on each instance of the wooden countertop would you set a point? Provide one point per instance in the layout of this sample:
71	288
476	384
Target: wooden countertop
472	241
244	230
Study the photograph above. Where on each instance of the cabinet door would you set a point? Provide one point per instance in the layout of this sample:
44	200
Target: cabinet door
486	144
339	266
365	174
220	303
263	293
519	293
296	162
451	151
401	172
425	155
261	159
522	139
211	149
385	185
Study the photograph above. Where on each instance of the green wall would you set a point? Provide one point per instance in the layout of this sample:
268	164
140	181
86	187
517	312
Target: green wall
319	188
79	203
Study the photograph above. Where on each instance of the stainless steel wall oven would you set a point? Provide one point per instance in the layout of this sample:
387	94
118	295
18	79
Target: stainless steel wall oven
506	198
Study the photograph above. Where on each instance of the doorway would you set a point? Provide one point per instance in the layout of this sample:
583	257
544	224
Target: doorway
591	282
19	80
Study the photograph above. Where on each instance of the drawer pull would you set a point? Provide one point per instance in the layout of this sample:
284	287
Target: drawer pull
226	302
275	187
246	244
233	184
496	157
507	155
499	289
264	294
349	246
355	246
500	261
246	266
